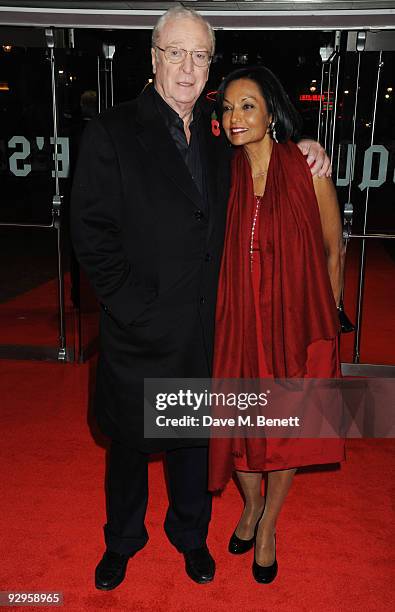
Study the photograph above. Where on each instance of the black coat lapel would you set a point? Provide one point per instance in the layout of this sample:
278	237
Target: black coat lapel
216	153
208	153
157	141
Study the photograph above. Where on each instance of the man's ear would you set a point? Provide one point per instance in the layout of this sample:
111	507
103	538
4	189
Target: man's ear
153	58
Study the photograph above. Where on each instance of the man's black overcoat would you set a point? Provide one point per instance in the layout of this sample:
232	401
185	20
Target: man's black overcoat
152	255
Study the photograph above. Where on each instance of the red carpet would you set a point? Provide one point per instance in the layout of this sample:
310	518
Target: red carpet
31	318
335	536
378	316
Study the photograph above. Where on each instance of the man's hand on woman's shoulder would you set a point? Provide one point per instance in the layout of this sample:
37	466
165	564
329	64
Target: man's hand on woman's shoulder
318	160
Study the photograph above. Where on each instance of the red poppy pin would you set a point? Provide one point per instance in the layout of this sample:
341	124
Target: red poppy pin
215	124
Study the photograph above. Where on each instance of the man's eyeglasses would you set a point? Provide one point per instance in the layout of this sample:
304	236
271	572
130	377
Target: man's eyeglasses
174	55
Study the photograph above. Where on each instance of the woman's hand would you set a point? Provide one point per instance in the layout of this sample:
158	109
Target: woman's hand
318	160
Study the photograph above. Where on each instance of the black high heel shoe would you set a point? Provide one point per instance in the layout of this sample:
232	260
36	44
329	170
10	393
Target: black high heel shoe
265	575
237	546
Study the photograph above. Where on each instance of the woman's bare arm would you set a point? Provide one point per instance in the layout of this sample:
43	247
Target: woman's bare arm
332	231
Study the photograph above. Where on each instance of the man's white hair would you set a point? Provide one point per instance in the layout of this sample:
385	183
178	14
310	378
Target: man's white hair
181	12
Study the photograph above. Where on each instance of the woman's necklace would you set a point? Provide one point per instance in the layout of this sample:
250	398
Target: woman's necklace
258	200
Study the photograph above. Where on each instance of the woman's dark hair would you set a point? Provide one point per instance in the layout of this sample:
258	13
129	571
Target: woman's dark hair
288	120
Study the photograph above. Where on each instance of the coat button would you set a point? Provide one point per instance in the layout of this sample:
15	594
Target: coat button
208	257
198	215
202	300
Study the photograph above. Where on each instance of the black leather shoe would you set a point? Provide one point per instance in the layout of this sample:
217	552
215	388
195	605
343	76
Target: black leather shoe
199	565
238	546
110	571
265	575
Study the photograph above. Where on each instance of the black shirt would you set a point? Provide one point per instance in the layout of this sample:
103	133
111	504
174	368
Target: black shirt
190	153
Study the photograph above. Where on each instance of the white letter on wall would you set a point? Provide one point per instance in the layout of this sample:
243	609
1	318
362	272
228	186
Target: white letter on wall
13	161
350	164
367	181
63	156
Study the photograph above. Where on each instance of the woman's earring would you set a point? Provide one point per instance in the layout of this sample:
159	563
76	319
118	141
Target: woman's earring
272	129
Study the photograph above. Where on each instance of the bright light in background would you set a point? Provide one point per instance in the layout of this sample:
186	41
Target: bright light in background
7	48
387	96
313	88
346	91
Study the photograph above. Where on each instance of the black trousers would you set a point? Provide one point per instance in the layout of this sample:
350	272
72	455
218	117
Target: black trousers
189	510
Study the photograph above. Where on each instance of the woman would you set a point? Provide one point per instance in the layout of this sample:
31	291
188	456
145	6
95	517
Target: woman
280	284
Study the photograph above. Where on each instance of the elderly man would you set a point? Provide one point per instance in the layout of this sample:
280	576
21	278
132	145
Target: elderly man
148	218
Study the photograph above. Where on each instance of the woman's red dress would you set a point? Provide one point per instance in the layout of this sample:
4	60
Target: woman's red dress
323	361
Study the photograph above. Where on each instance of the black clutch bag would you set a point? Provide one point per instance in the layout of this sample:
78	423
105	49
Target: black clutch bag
345	323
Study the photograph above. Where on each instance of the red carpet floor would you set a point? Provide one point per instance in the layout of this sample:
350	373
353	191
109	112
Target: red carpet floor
378	314
31	318
335	536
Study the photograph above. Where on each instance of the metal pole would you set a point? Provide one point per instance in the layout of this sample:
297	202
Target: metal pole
337	48
111	84
105	85
320	107
51	44
108	53
354	125
57	205
348	204
328	93
376	236
98	85
62	311
362	270
37	225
